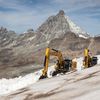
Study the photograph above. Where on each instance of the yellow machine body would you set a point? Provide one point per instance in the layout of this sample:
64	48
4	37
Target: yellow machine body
86	58
60	61
46	61
89	61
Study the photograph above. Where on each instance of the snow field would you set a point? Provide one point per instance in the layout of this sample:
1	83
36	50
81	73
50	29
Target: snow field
10	85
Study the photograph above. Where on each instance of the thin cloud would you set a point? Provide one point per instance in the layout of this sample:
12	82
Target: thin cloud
20	15
13	5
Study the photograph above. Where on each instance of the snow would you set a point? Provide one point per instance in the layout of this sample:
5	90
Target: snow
31	38
98	56
76	29
10	85
72	85
83	36
51	69
48	42
4	39
79	64
37	45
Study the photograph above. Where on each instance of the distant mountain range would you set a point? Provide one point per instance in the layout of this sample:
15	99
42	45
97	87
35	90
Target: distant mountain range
58	32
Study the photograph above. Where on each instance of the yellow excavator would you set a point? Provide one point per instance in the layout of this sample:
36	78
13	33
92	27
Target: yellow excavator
89	61
62	65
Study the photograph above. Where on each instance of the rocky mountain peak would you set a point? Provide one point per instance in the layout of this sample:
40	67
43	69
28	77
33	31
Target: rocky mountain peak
58	25
3	30
61	13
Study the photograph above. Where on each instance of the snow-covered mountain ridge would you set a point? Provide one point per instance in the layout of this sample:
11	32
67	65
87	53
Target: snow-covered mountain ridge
58	25
76	29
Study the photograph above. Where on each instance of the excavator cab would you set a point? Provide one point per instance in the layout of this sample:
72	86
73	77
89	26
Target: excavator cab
67	64
94	61
62	65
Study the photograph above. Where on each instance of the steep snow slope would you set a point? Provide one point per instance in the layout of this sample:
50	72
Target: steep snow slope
9	85
82	85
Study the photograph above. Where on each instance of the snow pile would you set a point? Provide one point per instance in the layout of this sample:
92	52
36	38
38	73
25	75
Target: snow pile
82	36
31	38
98	56
9	85
79	64
51	69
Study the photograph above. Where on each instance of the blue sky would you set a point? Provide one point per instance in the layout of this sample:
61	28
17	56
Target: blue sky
20	15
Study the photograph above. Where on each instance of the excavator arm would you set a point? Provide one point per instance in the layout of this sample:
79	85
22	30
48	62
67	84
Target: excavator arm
51	52
46	63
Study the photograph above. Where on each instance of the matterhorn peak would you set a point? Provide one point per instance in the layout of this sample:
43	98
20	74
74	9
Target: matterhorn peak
61	13
58	25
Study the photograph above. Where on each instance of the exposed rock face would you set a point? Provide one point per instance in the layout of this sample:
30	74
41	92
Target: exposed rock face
96	45
54	27
15	50
29	48
57	26
70	44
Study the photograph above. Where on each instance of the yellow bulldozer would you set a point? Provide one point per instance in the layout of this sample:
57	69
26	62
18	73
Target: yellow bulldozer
62	65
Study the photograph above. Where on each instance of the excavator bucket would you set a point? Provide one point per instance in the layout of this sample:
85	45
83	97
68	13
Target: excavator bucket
42	77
